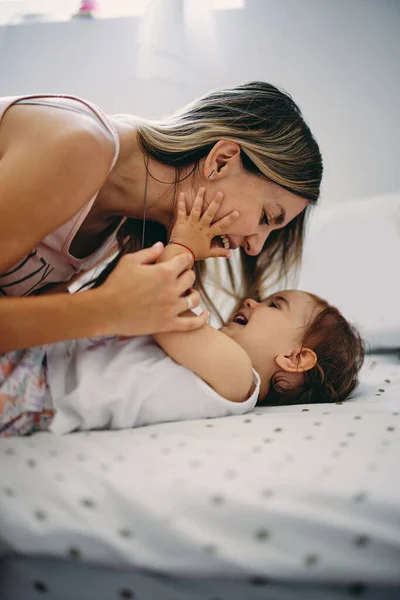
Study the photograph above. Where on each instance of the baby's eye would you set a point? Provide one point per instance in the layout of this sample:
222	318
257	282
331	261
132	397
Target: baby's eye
273	304
264	219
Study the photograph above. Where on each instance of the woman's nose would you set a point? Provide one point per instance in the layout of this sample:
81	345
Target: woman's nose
254	243
250	303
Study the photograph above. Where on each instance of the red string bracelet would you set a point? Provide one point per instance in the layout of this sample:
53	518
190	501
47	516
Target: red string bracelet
187	248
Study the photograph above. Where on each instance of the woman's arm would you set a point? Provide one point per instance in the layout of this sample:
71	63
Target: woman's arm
212	355
138	298
34	321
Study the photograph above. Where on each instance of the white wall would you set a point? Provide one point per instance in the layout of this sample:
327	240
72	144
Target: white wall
338	58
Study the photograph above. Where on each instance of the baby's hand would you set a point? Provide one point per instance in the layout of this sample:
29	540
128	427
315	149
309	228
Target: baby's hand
195	230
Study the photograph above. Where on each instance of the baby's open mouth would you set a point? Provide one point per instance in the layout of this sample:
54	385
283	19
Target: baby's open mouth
240	319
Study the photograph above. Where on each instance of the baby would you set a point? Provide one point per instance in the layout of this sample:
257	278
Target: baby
290	348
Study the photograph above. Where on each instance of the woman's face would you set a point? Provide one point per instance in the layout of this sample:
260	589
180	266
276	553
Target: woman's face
263	207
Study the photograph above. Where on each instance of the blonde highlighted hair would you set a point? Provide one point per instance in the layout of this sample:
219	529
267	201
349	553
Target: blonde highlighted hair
276	143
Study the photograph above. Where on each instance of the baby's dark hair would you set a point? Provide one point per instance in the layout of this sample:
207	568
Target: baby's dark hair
340	355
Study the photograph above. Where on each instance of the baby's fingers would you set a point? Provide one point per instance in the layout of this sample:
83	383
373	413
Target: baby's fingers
212	209
181	213
223	224
197	206
220	253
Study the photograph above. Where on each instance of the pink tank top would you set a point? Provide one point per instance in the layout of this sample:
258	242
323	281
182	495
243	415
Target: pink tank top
50	261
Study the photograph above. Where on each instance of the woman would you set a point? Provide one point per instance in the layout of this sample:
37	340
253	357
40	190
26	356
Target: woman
72	181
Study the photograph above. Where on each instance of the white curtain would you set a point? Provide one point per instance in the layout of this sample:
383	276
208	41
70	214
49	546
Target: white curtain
178	53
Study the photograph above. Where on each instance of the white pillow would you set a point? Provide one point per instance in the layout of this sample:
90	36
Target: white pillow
351	258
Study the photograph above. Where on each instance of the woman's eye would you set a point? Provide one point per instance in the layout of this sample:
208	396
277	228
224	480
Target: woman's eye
273	304
264	219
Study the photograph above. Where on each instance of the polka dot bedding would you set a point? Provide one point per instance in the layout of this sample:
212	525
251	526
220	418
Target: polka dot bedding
293	500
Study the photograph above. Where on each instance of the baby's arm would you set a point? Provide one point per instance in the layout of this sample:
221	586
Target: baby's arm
209	353
214	357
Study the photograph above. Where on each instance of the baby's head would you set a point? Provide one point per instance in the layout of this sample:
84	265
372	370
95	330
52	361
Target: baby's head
303	349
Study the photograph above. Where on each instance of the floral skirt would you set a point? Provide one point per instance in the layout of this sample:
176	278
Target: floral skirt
23	392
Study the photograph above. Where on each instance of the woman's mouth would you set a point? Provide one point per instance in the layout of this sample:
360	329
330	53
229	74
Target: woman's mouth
223	241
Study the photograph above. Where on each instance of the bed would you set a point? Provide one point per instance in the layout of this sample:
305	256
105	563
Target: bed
285	502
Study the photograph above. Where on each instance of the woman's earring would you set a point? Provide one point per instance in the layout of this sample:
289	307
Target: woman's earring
211	175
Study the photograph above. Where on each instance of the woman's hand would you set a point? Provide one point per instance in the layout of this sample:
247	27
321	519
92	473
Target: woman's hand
141	298
196	230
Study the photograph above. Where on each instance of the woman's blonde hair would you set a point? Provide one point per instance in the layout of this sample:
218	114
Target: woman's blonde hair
275	143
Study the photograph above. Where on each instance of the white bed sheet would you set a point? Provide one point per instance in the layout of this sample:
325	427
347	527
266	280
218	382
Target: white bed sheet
293	494
23	578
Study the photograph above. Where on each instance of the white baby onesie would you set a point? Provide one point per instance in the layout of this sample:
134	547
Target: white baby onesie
112	383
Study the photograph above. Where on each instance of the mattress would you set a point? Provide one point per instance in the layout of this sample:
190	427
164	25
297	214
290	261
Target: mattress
284	502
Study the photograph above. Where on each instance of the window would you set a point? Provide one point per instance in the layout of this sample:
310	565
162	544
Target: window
25	11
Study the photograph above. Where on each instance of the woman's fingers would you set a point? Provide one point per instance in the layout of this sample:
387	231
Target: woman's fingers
185	282
190	301
148	255
179	264
190	322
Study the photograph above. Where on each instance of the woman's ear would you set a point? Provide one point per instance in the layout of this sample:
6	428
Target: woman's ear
223	158
298	361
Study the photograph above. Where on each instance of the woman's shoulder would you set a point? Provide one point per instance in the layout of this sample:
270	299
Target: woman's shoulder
52	162
55	122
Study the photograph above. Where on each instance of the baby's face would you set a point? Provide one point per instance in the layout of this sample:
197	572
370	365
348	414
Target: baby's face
270	328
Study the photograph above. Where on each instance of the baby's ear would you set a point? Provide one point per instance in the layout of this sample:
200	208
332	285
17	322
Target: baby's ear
298	361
